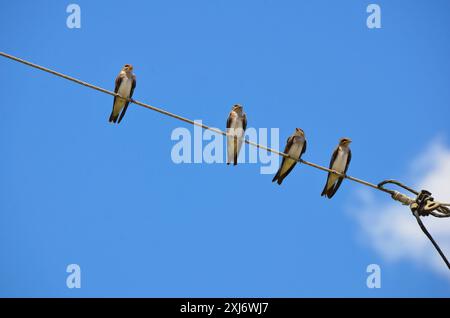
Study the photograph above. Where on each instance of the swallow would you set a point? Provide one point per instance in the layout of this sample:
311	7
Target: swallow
125	84
340	161
295	148
236	125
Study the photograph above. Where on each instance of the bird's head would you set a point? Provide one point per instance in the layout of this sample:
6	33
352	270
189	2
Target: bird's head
299	132
345	142
237	108
128	68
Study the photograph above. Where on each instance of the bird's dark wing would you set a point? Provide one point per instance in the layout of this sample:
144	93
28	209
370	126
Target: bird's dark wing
244	123
333	157
229	121
349	158
304	149
334	188
235	148
116	88
288	171
289	142
133	86
118	81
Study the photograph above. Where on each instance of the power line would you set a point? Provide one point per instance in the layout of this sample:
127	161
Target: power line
192	122
423	205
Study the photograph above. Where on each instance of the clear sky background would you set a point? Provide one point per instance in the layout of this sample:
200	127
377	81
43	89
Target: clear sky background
76	189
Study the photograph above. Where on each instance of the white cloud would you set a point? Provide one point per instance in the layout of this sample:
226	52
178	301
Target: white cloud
390	228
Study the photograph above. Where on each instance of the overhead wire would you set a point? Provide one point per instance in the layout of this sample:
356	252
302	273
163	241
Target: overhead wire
186	120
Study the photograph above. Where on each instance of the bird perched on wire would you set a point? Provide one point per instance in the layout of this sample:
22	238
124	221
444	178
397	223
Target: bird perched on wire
295	148
236	125
125	84
340	161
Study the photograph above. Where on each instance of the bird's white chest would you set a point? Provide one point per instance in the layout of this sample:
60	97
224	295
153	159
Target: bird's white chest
125	87
236	125
295	149
236	122
341	161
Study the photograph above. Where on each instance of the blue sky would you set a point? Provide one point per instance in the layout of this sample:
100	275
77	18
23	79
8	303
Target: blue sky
76	189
